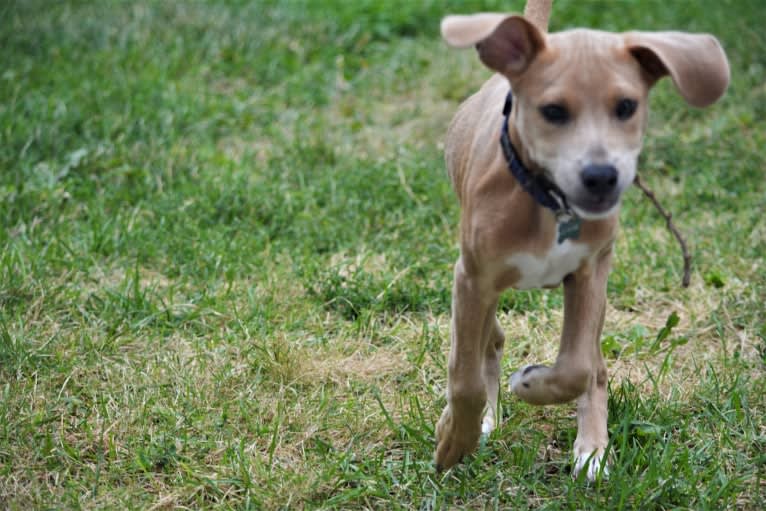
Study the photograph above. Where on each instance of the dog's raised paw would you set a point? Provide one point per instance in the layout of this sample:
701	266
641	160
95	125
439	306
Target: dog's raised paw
520	379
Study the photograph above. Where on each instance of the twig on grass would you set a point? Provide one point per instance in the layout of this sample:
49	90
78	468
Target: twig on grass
672	228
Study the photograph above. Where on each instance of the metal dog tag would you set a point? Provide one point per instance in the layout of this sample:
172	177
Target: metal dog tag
569	228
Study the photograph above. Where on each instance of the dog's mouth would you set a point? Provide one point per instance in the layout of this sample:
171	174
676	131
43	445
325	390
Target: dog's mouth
585	204
595	207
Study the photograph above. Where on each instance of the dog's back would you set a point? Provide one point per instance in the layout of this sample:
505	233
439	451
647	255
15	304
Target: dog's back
478	119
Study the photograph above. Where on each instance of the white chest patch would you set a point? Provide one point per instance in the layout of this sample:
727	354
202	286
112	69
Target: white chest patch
549	269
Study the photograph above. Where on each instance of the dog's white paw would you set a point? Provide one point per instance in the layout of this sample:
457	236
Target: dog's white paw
488	423
593	461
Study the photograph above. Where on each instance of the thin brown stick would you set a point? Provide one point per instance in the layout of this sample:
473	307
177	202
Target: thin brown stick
672	228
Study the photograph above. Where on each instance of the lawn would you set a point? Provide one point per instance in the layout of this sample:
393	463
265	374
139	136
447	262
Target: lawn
227	247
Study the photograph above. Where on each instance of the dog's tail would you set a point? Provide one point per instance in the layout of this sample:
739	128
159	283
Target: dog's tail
539	13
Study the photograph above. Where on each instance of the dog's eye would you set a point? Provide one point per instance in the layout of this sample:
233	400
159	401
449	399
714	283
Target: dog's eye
625	109
555	113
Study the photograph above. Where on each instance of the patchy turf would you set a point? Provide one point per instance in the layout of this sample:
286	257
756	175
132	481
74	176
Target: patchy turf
226	267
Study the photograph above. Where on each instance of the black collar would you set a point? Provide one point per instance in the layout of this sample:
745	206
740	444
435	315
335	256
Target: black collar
545	193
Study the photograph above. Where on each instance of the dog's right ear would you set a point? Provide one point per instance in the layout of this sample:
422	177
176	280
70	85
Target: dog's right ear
506	43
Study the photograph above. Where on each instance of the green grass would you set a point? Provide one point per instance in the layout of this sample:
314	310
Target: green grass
227	244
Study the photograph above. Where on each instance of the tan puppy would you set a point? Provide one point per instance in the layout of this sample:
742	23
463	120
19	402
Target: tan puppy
578	118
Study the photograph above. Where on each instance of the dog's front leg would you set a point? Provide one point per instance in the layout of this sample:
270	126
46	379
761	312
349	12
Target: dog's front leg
592	435
460	425
579	371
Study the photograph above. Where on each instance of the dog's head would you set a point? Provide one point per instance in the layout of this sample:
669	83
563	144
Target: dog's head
580	96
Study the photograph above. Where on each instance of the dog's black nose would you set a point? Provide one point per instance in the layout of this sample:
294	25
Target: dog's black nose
599	179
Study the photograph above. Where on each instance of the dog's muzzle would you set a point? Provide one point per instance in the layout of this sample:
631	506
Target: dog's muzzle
600	188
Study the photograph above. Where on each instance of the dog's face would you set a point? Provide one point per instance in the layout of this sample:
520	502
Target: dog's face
580	96
581	114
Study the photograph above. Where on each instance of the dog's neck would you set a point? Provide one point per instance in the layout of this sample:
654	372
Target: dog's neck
531	177
521	150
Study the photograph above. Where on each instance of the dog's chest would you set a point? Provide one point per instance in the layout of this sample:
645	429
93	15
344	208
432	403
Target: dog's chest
550	268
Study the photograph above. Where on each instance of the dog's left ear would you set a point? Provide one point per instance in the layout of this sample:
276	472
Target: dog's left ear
506	43
695	62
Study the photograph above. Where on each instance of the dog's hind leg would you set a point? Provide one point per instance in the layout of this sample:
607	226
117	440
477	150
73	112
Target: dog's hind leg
493	355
